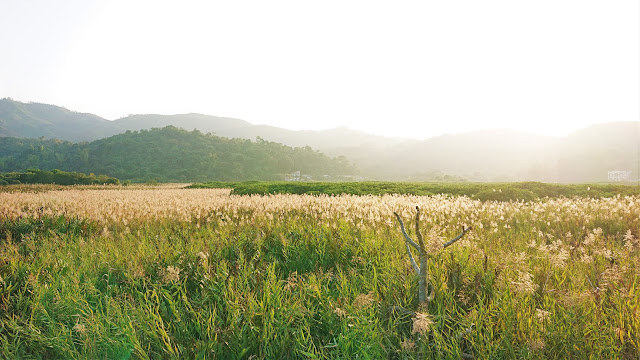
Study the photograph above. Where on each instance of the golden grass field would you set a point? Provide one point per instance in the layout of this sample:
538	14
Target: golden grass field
166	272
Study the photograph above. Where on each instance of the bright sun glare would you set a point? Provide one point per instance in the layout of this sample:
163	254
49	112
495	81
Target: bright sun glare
411	69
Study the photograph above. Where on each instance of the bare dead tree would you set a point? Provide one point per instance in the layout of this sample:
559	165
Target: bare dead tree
425	288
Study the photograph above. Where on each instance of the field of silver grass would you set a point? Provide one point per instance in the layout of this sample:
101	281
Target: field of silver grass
168	272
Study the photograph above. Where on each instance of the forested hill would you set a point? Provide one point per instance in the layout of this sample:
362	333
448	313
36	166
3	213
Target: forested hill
586	155
170	154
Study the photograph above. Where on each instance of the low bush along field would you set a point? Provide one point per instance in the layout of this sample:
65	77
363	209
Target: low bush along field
198	273
525	191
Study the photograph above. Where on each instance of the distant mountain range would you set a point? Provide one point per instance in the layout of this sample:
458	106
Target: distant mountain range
34	120
488	155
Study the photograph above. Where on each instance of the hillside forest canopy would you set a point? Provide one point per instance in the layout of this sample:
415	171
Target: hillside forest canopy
171	155
55	176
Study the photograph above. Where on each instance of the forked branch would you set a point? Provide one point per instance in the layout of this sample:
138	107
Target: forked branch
404	232
408	242
452	241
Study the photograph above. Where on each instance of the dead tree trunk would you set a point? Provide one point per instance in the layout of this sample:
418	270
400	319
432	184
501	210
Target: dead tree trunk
425	289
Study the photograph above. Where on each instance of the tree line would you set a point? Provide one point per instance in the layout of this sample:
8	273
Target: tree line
170	155
55	176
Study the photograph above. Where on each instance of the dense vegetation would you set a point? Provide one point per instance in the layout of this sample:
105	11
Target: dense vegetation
196	273
55	176
170	155
483	191
482	156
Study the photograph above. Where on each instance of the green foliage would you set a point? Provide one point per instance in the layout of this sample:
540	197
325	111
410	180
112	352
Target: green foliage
55	176
508	194
22	228
306	284
525	191
170	155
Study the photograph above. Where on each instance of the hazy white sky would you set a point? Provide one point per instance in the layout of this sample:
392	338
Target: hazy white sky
402	68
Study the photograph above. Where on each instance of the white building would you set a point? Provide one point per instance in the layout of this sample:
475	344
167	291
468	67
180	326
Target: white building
294	176
297	176
619	175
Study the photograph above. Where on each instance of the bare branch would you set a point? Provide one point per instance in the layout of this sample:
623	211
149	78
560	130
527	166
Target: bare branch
452	241
404	232
407	243
413	261
418	233
423	275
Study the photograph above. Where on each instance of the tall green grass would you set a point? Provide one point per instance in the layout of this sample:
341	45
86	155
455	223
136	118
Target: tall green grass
251	286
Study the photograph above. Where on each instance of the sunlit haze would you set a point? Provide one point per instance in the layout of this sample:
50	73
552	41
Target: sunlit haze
398	68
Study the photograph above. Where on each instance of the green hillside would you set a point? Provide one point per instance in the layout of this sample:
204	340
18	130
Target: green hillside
34	120
170	154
